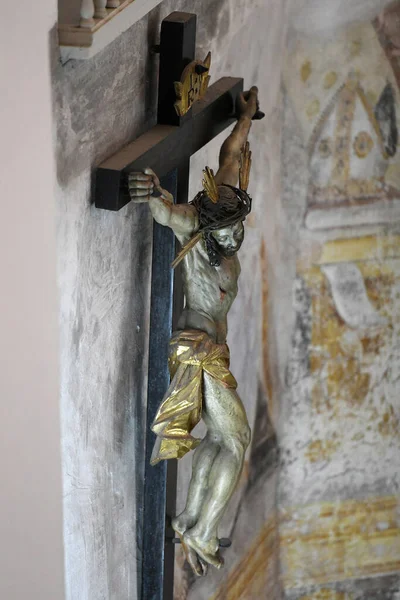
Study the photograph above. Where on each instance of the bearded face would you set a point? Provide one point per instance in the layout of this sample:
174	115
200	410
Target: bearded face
229	239
222	222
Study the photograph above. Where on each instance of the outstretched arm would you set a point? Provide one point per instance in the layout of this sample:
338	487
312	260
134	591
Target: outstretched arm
229	156
145	187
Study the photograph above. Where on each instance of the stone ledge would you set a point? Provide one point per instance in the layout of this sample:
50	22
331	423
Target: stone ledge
374	212
80	43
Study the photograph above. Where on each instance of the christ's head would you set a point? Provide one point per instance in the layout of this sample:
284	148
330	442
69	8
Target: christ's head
222	222
229	239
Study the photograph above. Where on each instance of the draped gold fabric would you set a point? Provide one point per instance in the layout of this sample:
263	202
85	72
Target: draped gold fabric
191	353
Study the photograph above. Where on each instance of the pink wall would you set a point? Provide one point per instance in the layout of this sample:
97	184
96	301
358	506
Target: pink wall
31	555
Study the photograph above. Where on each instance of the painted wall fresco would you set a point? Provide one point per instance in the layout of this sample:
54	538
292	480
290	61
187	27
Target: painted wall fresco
339	518
345	97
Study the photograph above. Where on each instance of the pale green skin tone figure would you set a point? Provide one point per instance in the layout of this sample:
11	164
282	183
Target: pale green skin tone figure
209	293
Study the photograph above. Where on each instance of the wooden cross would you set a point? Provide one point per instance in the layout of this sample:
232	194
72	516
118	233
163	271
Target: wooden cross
167	149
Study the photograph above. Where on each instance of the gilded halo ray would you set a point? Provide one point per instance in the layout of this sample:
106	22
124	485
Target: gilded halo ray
209	185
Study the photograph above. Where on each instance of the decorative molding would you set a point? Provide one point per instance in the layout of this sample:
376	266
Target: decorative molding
329	542
81	43
369	247
344	250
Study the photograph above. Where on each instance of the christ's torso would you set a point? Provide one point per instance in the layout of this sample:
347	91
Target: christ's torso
209	292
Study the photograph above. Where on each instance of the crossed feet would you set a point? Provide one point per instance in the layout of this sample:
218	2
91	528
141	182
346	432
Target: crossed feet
199	552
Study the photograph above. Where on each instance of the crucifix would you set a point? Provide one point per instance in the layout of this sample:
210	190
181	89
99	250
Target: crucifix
211	228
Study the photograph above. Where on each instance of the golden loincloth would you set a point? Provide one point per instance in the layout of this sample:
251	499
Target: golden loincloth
191	353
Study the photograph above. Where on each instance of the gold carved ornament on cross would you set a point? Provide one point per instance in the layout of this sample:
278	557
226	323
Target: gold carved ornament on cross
192	85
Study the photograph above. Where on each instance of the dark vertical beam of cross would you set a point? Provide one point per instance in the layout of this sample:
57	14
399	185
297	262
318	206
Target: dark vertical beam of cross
154	566
177	49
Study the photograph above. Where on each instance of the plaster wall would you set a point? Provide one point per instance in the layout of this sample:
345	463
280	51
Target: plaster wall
31	555
103	270
336	475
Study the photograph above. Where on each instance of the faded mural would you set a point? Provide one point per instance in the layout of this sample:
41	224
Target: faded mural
339	501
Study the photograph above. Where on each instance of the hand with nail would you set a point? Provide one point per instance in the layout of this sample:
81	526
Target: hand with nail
145	185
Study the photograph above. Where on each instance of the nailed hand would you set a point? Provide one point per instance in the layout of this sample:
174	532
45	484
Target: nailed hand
247	103
145	185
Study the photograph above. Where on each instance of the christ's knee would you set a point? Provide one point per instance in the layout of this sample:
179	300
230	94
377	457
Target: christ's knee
238	442
244	436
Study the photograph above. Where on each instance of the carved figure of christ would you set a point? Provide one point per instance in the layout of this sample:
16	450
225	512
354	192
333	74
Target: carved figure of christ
209	292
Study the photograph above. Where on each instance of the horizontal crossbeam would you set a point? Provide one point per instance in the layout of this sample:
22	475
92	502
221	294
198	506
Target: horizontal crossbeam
165	147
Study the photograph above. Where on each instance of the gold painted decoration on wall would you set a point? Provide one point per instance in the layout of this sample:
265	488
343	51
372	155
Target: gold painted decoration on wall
330	79
349	152
343	105
319	450
363	144
192	85
305	71
327	594
340	357
313	108
370	247
339	195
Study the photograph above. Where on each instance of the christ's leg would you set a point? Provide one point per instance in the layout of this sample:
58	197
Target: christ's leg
227	424
203	459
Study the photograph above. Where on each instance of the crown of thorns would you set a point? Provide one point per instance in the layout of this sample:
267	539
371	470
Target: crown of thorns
233	205
220	206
